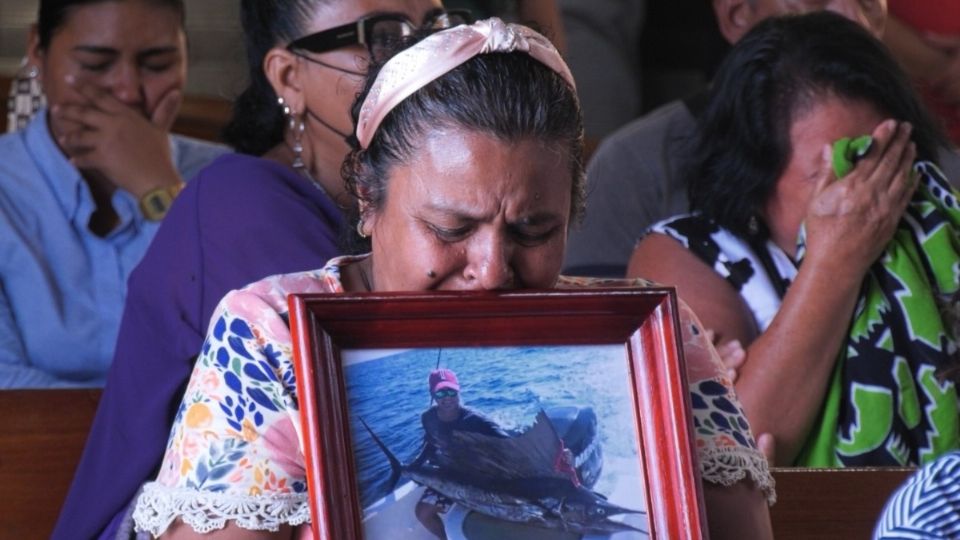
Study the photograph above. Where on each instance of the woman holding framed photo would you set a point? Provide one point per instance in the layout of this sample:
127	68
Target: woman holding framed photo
467	167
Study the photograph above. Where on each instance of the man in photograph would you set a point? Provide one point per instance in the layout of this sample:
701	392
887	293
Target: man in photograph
439	423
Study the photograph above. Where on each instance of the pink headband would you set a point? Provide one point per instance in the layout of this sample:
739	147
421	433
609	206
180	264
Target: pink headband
414	68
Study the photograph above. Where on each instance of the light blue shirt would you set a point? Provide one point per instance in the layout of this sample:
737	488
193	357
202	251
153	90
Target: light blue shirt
62	288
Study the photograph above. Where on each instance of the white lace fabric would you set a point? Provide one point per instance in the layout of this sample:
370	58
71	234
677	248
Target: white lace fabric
727	466
158	506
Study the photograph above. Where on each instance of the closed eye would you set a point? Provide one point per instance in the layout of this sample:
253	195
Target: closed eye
536	229
94	58
532	237
98	67
450	235
158	60
158	67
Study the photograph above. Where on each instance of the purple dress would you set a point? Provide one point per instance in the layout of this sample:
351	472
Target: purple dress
241	219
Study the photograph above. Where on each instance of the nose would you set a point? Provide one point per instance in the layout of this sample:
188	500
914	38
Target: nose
127	86
488	266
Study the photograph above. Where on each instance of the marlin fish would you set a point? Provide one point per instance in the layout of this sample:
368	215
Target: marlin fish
514	479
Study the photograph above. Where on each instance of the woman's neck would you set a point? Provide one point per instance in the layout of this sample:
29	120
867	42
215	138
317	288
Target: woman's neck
322	160
358	277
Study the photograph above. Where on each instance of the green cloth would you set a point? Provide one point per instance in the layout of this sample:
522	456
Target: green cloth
847	152
885	404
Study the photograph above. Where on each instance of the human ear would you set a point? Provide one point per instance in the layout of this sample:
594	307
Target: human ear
283	71
35	54
734	18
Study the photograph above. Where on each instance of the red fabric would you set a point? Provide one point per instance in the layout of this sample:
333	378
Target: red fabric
948	115
562	464
941	16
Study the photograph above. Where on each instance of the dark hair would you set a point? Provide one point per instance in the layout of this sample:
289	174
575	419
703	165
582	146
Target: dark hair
510	96
257	122
773	74
52	14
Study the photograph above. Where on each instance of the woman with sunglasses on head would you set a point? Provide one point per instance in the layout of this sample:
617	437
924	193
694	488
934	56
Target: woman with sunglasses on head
467	165
275	206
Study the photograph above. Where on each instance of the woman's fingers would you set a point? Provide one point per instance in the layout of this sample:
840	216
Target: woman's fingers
733	356
83	116
894	171
890	139
79	143
97	97
768	446
903	190
884	137
882	177
853	218
166	110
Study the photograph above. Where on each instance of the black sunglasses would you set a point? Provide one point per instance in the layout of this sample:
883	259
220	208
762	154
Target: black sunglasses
379	33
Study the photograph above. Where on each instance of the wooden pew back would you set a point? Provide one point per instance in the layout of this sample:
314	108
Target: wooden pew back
825	504
42	433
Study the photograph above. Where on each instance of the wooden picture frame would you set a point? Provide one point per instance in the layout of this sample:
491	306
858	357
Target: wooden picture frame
645	372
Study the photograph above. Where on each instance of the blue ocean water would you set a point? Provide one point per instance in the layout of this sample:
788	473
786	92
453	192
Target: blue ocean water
508	384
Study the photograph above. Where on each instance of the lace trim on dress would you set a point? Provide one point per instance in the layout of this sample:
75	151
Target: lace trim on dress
727	466
158	506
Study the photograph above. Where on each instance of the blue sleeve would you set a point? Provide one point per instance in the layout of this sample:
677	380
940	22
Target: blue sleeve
15	370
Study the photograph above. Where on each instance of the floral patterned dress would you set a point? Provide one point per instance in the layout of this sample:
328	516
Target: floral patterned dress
235	449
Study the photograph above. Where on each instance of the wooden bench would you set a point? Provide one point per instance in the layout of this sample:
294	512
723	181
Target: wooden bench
202	117
826	504
42	433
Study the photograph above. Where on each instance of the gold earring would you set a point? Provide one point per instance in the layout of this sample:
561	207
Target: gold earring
360	229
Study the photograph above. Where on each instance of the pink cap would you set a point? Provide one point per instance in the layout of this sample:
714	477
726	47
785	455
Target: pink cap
443	378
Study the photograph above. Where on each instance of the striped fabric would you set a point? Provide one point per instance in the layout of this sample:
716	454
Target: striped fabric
927	506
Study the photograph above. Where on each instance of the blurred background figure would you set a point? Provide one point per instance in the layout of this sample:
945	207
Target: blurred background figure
87	181
276	205
634	179
826	282
924	36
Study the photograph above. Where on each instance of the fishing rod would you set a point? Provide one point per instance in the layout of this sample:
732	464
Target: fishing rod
439	350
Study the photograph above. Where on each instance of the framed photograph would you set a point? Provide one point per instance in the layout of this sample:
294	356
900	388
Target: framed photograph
559	414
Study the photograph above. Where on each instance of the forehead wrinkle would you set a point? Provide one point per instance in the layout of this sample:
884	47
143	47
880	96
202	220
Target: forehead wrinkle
439	202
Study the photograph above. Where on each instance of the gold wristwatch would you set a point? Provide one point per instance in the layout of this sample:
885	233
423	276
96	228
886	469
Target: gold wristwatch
154	204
